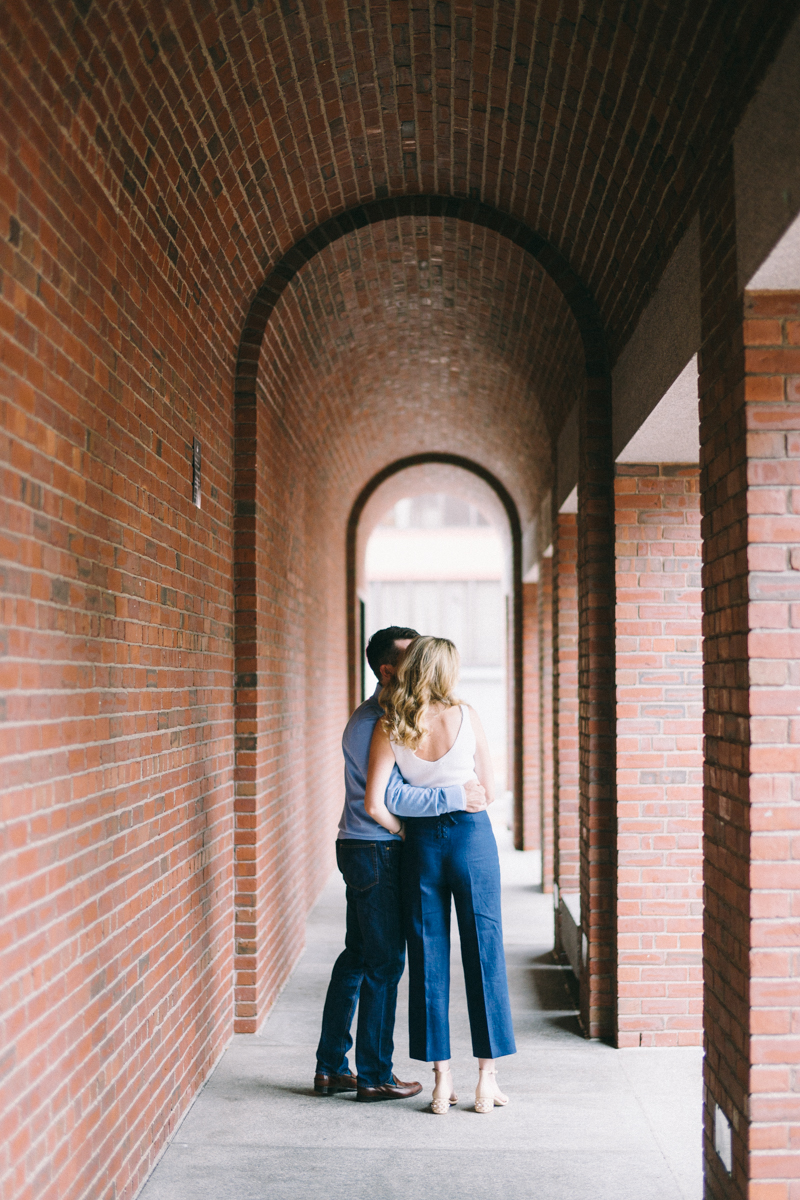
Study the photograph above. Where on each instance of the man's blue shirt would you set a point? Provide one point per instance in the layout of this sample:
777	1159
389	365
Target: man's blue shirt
401	798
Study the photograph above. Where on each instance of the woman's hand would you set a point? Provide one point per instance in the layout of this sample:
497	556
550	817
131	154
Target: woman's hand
381	762
476	795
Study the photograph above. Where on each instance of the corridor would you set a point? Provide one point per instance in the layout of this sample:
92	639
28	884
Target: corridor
585	1122
268	270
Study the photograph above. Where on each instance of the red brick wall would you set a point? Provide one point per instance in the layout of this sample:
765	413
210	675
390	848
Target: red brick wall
115	969
531	712
726	798
566	820
545	599
291	703
121	594
156	161
659	756
597	715
120	315
771	393
123	303
750	458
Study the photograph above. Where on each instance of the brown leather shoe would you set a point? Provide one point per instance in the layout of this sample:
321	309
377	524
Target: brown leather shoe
396	1090
329	1085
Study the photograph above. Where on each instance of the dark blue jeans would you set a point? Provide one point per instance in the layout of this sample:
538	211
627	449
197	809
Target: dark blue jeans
369	968
454	856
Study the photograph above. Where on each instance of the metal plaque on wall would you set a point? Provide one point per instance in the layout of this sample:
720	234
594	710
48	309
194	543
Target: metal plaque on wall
196	473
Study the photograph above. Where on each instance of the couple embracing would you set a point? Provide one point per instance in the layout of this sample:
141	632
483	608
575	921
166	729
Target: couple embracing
415	833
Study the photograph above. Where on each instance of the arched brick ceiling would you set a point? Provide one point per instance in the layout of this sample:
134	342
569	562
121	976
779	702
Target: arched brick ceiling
233	129
423	334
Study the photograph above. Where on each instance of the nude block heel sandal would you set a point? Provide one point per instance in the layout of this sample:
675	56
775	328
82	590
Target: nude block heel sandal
487	1093
443	1094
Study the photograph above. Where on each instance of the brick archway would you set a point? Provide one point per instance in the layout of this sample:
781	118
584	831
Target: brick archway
515	666
595	546
577	295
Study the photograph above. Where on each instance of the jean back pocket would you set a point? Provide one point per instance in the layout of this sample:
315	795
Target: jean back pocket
358	864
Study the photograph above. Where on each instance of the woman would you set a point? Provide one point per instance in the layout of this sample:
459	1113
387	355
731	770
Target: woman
438	742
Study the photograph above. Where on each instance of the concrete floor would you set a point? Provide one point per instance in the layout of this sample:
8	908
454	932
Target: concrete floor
584	1120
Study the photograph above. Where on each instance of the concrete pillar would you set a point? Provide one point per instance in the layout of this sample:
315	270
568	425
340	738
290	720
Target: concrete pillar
659	755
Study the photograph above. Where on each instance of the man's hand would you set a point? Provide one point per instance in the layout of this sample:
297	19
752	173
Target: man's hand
476	796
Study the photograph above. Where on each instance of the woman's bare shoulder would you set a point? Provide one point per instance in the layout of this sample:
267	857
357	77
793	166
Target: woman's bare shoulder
379	732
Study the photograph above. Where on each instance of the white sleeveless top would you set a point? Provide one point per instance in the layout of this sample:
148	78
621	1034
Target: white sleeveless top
457	766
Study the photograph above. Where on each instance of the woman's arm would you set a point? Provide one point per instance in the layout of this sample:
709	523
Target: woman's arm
381	761
483	759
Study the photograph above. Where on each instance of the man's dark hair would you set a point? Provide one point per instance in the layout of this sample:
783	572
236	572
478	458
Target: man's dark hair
381	649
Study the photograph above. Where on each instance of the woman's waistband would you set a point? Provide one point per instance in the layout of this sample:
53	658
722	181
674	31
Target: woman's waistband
460	817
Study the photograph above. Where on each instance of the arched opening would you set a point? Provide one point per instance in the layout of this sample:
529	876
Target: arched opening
408	333
472	485
434	550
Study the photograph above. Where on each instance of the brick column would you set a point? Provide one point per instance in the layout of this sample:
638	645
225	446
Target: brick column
251	861
750	459
659	755
597	709
772	419
545	599
566	818
246	714
531	833
723	459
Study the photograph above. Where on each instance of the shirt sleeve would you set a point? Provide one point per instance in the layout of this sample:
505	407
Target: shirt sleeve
406	801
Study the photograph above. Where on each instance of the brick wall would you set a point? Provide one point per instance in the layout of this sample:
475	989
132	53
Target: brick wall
771	395
290	639
659	755
136	563
134	821
596	729
156	163
726	787
545	599
566	821
115	975
121	314
750	415
531	708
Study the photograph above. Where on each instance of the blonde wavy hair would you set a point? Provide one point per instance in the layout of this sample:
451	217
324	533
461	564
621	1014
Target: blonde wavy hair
426	675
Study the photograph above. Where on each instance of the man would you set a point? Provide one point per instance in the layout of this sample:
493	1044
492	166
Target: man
369	968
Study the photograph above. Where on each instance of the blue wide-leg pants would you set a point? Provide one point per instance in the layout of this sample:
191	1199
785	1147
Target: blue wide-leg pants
454	856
